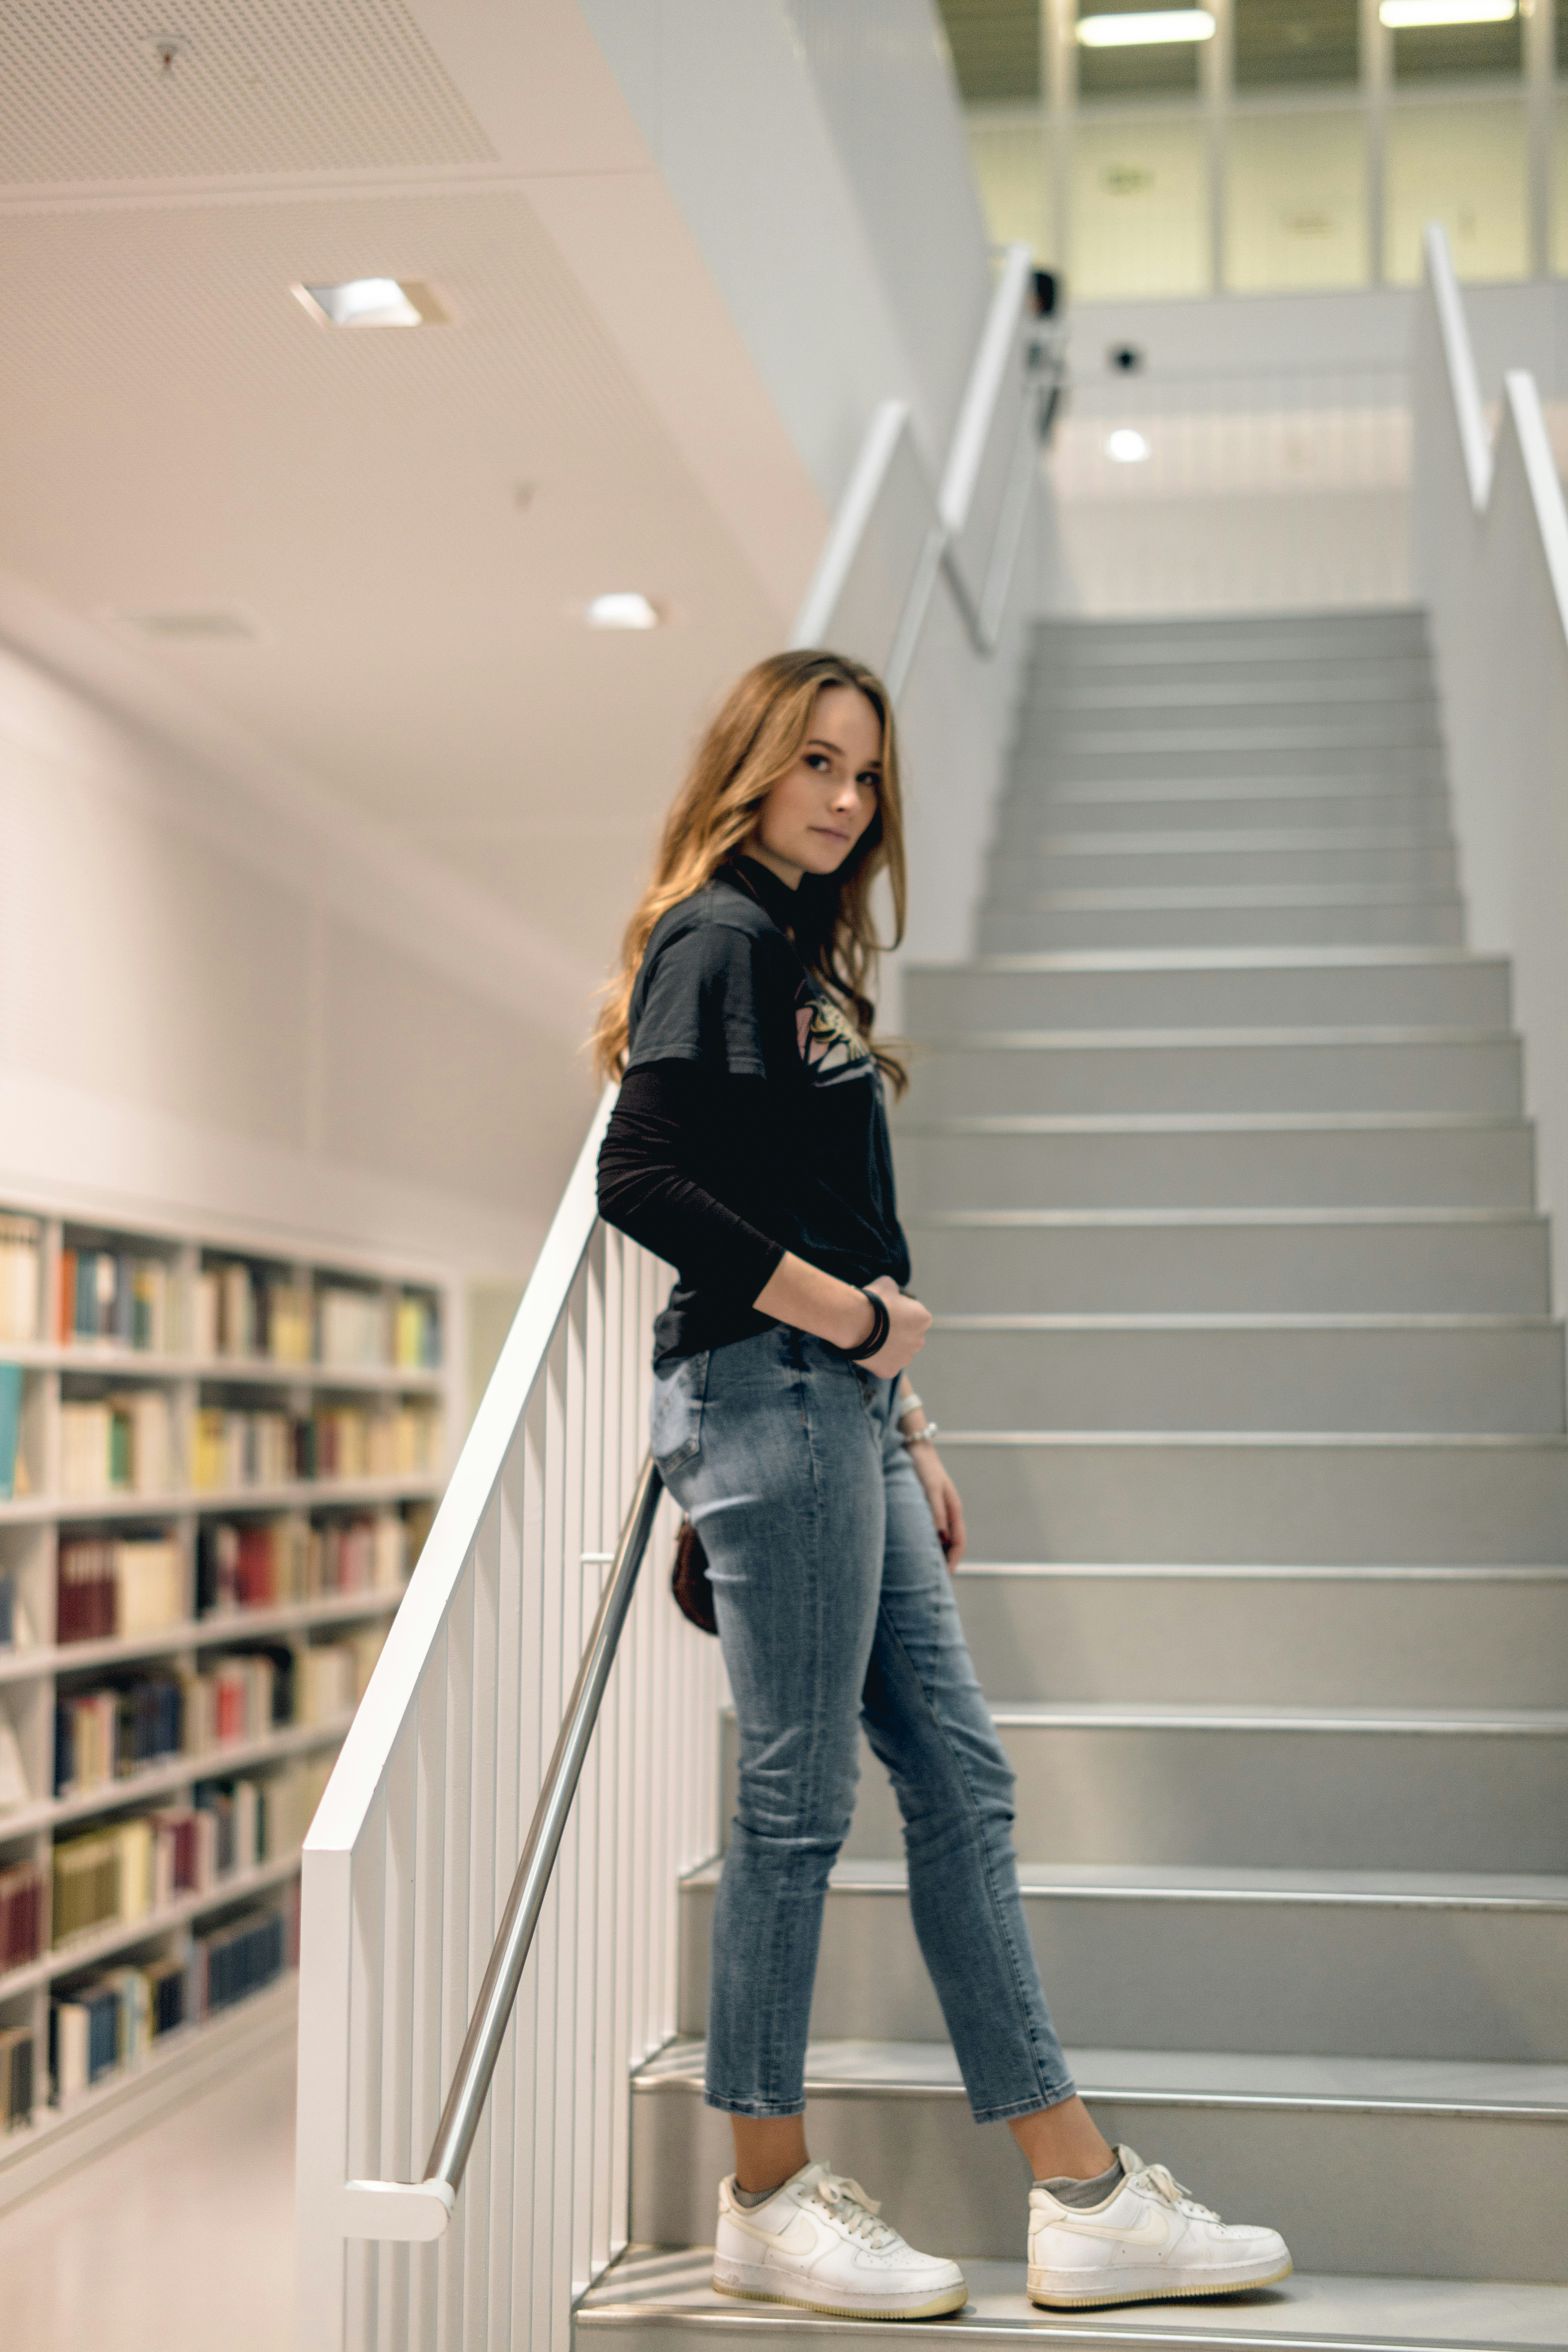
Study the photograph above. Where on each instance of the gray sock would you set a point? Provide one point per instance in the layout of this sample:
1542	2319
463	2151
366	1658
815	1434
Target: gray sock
753	2196
1082	2194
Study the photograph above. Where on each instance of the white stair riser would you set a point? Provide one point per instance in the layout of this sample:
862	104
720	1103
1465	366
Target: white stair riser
1063	769
1017	878
1357	1639
1372	636
1412	922
1417	1376
950	1080
1203	804
1067	685
1398	1502
1266	1798
1487	1165
1059	736
1369	2191
1448	994
1328	1980
1384	1267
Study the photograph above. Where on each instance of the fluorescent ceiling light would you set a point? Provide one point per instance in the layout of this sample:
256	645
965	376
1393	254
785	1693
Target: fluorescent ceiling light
1401	16
372	303
1145	26
623	609
1127	447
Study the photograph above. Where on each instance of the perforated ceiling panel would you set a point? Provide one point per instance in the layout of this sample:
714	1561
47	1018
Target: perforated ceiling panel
254	86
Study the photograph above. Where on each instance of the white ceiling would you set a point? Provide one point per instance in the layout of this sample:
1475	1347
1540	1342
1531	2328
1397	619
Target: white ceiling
410	519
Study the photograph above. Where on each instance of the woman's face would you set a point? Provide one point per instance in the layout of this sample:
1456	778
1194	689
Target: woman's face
813	817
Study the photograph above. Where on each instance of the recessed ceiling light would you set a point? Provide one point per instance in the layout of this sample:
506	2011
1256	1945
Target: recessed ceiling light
1400	16
1127	447
372	303
1142	28
624	608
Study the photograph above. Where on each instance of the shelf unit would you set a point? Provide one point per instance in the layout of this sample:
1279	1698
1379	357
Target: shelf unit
36	1669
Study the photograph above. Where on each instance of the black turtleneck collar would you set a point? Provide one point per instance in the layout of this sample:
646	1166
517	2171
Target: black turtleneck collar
775	897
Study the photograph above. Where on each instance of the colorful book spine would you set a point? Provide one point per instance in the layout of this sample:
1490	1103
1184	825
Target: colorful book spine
20	1262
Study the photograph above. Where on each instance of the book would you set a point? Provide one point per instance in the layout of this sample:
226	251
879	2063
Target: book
21	1913
120	1444
10	1428
15	2076
13	1789
354	1326
21	1256
118	1585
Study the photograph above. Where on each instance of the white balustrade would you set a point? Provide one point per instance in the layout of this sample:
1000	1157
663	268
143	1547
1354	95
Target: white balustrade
1490	560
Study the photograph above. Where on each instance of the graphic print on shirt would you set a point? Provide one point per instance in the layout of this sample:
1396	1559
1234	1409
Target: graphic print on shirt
830	1045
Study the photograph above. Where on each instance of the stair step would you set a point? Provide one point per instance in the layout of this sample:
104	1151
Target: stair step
1016	1072
1022	872
1326	915
1373	634
1229	1261
1326	1963
1203	805
1345	1160
1282	1636
1347	988
664	2297
1263	678
1210	721
1423	1372
1401	2167
1267	1787
1220	1497
1046	769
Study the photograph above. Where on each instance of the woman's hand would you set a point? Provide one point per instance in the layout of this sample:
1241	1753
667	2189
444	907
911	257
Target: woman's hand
907	1323
946	1509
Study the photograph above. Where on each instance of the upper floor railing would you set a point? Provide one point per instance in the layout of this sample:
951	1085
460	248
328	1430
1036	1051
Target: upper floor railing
1490	560
469	2025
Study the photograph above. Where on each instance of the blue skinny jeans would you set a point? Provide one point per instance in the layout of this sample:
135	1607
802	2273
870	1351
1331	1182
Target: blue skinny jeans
836	1611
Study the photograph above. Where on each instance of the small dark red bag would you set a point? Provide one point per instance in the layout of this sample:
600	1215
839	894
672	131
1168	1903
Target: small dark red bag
689	1580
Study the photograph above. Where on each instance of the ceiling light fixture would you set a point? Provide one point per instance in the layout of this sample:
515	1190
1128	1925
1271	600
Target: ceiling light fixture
1127	447
1403	16
372	302
624	608
1143	28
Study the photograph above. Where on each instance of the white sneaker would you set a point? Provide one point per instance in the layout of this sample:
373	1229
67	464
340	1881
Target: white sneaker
817	2244
1149	2238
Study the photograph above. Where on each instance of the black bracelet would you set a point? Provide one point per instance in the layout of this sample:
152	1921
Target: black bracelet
882	1324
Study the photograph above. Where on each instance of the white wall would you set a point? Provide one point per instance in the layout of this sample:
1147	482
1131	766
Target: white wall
821	170
211	1007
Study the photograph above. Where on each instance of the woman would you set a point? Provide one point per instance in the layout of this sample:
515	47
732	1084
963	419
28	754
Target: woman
749	1147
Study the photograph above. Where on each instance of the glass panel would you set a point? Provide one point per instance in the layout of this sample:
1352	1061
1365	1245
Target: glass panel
1457	52
1006	148
1140	207
1279	43
1295	201
1560	184
1464	166
1160	69
995	48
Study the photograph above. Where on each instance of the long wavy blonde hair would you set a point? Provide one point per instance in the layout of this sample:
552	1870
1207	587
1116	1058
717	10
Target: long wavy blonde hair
750	746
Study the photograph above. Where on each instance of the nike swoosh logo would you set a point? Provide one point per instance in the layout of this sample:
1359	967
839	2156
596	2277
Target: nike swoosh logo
800	2238
1153	2229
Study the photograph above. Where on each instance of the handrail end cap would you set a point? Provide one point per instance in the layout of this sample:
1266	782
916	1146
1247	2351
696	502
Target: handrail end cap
417	2211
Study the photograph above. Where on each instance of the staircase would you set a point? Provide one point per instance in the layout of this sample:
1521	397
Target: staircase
1217	1178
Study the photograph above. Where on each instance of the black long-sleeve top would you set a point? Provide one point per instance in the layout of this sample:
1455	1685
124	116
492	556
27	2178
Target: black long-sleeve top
750	1119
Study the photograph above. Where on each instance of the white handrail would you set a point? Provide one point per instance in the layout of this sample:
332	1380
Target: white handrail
1490	561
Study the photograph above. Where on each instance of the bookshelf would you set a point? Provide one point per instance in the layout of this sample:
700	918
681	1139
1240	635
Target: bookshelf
219	1456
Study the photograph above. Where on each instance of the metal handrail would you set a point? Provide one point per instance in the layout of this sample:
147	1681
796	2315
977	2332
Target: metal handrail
421	2210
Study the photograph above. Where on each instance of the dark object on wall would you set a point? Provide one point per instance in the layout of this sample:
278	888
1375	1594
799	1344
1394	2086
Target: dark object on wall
1048	293
689	1580
1124	358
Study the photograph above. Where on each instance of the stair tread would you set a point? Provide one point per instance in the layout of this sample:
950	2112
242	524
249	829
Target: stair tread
1162	1220
1278	1038
1306	2310
1226	897
1213	959
1244	843
1267	1320
1375	1572
1187	1122
1207	2076
1193	1715
1445	1890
